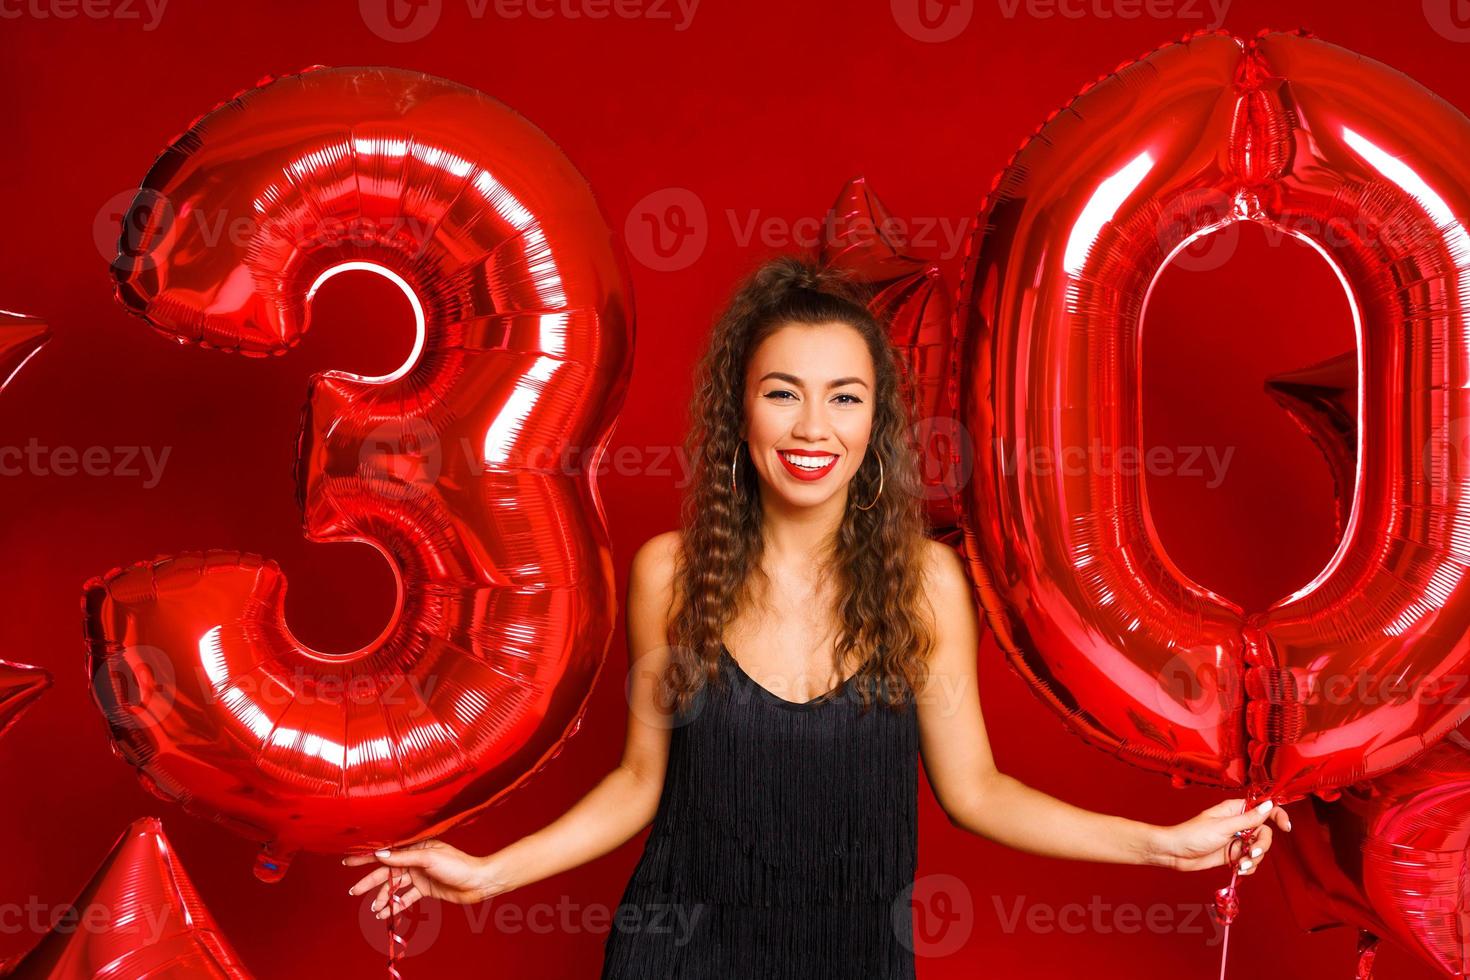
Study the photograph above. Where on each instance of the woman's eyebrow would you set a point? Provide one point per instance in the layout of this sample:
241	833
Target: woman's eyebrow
793	379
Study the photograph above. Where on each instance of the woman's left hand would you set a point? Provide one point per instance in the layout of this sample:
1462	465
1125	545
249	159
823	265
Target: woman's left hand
430	869
1209	840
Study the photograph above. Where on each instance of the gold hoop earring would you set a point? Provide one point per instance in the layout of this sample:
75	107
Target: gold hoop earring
880	483
733	458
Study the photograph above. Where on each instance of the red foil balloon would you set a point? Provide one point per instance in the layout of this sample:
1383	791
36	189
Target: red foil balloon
470	467
21	336
911	296
20	684
1389	857
1367	167
140	916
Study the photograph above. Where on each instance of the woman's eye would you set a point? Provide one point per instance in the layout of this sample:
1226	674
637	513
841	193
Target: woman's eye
781	395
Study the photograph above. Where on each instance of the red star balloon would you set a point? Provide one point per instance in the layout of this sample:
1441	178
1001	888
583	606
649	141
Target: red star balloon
20	684
20	337
140	916
1323	400
1388	857
860	236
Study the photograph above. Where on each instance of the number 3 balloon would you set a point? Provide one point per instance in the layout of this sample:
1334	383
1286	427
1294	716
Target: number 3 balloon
454	466
1364	667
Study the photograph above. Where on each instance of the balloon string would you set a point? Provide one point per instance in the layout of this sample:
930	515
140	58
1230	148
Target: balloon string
1225	943
395	941
1226	903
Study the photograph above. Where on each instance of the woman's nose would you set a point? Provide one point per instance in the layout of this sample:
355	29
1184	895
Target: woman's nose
813	423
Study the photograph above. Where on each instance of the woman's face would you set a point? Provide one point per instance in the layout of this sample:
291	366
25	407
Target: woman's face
809	410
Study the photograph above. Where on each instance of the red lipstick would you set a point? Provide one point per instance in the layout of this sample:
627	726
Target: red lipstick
806	472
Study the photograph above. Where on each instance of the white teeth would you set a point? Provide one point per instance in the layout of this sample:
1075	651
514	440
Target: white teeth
809	462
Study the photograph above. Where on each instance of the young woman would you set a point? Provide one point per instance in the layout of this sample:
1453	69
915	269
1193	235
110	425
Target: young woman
795	650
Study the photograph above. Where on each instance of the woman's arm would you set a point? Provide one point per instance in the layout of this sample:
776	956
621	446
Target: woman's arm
979	798
617	808
627	798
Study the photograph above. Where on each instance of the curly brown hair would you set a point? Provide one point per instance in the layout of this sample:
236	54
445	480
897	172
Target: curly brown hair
876	555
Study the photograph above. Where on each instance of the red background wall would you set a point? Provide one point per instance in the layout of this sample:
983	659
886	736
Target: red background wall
758	110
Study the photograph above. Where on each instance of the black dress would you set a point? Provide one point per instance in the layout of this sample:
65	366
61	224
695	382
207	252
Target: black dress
784	843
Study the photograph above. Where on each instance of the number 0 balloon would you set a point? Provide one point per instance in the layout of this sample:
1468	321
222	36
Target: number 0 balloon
455	466
1362	668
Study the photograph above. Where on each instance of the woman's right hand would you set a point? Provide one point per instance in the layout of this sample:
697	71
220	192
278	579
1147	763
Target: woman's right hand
432	869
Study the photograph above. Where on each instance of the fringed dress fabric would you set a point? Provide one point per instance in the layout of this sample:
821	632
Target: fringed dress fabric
784	844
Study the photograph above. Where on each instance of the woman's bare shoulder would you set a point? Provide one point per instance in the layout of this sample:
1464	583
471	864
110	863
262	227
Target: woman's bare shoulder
651	590
653	564
944	566
946	582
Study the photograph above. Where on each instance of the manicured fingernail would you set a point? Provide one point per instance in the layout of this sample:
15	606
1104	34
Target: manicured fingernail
352	890
1246	864
1255	852
382	854
1265	806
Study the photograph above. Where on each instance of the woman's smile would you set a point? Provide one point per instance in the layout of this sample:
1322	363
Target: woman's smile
806	465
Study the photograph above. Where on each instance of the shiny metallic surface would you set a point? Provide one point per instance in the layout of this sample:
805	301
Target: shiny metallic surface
1366	166
471	467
